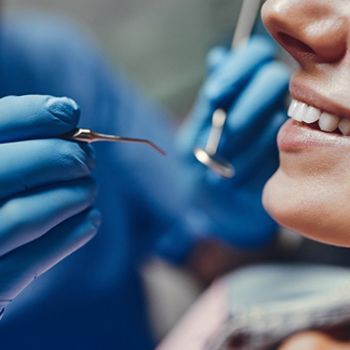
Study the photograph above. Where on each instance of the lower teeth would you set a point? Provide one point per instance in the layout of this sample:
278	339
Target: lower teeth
316	126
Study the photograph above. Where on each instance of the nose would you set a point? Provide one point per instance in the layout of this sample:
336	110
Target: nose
313	31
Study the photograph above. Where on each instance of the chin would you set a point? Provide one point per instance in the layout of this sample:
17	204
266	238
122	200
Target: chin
309	207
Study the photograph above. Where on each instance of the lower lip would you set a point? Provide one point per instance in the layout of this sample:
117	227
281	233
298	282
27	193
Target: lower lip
295	136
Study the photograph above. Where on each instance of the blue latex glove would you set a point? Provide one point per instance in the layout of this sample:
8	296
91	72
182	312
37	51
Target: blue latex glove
45	189
251	86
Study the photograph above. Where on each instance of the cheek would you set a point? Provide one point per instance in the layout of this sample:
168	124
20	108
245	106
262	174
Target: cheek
317	206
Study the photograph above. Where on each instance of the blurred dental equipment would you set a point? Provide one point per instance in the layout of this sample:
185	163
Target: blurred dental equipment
208	155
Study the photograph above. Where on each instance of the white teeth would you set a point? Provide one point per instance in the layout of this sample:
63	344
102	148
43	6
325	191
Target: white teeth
312	115
344	127
299	111
328	122
292	108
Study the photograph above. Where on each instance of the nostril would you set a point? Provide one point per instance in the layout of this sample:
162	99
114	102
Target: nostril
293	44
313	32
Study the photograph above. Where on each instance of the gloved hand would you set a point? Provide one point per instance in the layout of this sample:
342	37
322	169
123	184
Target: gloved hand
251	86
46	193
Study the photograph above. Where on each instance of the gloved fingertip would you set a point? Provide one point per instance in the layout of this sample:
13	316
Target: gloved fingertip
78	230
88	230
215	57
95	218
90	159
86	188
64	108
93	188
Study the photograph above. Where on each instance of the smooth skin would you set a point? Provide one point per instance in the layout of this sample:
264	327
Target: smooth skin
310	191
46	193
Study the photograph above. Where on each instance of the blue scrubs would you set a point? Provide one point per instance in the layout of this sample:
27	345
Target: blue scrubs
94	299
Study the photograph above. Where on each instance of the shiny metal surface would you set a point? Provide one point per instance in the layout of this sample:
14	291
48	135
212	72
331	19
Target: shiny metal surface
215	163
89	136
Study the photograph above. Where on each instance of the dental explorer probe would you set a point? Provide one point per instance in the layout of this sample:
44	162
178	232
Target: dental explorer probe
208	155
89	136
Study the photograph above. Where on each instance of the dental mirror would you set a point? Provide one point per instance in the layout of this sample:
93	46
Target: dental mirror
208	155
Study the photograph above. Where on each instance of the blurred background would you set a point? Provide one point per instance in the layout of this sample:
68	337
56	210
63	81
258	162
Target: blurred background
161	44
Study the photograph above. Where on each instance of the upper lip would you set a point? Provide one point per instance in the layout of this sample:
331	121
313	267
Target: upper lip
311	97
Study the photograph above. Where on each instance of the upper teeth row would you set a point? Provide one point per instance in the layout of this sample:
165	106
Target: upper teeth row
327	122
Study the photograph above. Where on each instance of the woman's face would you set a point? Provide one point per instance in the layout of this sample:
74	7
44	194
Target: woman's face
310	192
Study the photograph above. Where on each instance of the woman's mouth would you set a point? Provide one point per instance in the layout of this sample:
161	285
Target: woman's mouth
318	119
310	126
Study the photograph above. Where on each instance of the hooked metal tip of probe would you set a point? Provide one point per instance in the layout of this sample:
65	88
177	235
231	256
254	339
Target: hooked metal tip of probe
153	145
